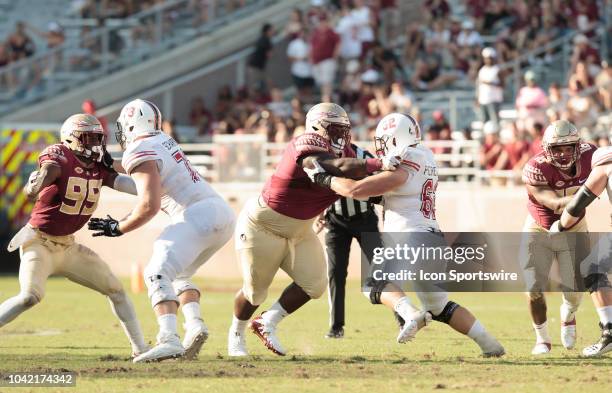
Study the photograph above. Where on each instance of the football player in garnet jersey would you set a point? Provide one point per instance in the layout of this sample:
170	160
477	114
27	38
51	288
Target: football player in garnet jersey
551	178
595	272
201	223
274	231
409	195
66	188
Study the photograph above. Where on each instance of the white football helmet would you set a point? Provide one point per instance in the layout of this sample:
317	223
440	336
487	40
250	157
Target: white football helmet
137	118
331	122
84	135
561	133
398	130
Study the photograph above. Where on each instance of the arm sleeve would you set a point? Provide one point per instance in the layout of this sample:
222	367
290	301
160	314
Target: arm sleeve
533	175
308	144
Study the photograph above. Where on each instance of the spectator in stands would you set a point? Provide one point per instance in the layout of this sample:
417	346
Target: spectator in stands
428	73
295	26
350	87
581	74
6	79
348	30
517	149
280	108
200	117
20	43
436	9
55	37
489	87
400	100
202	10
387	64
493	155
168	126
557	98
581	108
259	58
415	42
298	52
603	81
439	130
89	107
468	37
365	23
536	131
495	17
324	51
583	51
531	101
389	20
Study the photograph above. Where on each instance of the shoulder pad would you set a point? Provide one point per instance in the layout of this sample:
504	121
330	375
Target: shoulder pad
602	156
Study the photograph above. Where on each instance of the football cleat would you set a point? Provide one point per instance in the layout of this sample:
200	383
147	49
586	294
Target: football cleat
604	345
335	333
410	328
541	349
195	337
168	347
267	335
236	344
568	334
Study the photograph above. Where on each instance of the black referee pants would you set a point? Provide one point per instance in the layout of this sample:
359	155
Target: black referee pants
338	238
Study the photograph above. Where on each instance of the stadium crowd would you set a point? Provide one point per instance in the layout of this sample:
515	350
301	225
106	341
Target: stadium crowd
357	53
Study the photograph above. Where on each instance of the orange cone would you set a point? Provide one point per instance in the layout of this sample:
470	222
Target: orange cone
137	280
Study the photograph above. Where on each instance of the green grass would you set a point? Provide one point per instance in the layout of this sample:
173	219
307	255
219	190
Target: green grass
84	336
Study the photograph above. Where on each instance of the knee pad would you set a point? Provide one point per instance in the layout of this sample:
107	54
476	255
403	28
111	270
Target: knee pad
160	289
375	290
596	281
29	299
446	313
181	285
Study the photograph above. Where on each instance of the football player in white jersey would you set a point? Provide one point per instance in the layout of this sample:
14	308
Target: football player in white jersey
409	201
595	272
201	223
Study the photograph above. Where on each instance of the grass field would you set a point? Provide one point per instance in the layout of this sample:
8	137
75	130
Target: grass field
74	329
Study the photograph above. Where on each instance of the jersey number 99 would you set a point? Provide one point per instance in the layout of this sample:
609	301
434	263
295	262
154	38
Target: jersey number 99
80	190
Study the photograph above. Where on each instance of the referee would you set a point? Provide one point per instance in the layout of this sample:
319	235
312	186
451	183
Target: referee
345	220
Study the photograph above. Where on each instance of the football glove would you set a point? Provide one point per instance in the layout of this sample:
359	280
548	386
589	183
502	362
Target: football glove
106	227
390	162
107	161
318	175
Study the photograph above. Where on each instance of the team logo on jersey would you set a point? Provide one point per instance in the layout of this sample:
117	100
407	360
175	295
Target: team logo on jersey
78	170
560	183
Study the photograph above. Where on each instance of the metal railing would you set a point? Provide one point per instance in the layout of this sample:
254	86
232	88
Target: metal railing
111	47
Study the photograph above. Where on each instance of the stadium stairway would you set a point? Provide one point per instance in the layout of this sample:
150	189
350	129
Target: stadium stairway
181	59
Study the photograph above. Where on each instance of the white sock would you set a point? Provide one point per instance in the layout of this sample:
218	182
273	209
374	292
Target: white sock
167	324
605	314
541	332
192	313
124	310
404	307
568	311
485	341
274	315
238	325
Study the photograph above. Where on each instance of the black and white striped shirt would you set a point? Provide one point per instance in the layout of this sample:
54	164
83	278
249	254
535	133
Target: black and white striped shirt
348	207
